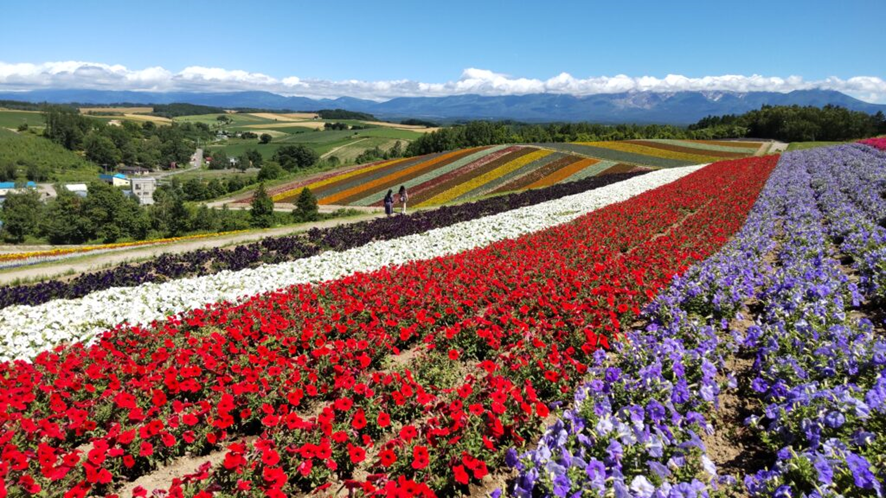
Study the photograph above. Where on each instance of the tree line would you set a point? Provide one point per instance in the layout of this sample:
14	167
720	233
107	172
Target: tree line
106	215
785	123
146	145
801	124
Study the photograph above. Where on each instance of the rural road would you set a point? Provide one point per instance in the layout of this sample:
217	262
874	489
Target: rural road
196	163
340	147
74	266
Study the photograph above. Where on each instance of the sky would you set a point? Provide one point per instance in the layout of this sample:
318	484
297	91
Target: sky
382	49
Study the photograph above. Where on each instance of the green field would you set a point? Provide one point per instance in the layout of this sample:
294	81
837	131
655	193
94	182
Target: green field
346	144
12	119
810	145
323	142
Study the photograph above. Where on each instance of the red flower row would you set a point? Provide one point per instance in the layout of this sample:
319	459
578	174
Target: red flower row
424	374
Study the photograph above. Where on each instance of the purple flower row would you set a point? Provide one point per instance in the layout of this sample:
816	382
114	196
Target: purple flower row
820	365
638	429
289	248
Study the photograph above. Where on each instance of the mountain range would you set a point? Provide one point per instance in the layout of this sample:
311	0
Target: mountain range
679	108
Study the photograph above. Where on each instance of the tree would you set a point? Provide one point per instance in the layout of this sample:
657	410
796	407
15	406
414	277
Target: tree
255	158
293	157
306	208
21	213
64	222
219	160
243	163
264	138
101	150
270	171
262	213
111	214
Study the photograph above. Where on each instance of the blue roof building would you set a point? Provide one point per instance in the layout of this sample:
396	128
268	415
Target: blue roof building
11	185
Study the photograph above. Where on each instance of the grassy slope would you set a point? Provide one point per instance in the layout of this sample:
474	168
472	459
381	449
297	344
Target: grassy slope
26	148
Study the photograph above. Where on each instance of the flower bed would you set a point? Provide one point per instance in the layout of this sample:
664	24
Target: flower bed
11	260
879	142
501	332
26	330
290	248
640	428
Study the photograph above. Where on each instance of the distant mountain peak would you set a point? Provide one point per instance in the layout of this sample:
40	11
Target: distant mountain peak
678	108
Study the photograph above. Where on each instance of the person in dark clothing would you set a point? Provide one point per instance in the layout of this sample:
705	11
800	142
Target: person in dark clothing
389	203
403	197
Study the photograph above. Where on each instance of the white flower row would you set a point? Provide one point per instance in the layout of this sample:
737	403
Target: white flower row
25	331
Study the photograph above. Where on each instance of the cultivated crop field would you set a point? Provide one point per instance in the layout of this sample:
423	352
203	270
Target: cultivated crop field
685	331
472	173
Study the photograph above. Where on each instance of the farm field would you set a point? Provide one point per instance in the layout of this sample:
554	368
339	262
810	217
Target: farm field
472	173
624	334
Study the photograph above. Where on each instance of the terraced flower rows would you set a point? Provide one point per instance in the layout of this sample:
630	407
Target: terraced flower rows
471	173
455	176
662	153
406	380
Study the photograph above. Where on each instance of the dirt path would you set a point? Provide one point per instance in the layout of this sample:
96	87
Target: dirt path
333	151
88	263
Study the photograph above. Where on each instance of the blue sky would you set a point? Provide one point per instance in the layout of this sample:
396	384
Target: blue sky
435	42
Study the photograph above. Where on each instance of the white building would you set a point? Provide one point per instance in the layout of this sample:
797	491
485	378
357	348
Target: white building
80	189
143	189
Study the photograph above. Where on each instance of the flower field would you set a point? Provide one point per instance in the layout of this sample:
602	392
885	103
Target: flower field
13	260
471	173
698	331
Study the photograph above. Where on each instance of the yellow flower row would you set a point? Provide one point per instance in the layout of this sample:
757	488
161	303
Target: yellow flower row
335	178
483	179
652	151
119	245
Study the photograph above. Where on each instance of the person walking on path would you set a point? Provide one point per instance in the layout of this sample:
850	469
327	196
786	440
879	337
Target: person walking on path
403	197
389	203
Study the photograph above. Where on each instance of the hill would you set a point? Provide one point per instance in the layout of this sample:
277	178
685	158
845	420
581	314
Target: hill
633	107
465	174
39	159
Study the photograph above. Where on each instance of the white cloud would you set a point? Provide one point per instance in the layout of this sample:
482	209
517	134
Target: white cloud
91	75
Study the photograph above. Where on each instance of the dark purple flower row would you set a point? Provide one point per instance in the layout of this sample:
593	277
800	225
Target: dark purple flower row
289	248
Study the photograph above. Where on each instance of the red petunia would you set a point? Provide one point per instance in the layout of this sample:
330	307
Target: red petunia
387	458
356	453
461	475
420	457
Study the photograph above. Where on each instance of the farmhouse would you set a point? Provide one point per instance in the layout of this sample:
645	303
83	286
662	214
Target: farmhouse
134	170
116	180
143	189
7	187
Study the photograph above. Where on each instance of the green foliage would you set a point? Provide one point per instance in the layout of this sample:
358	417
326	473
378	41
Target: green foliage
112	215
178	109
292	157
801	124
219	160
419	122
26	154
66	126
343	114
335	126
306	208
21	213
64	221
248	135
254	157
262	212
101	150
264	138
270	171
